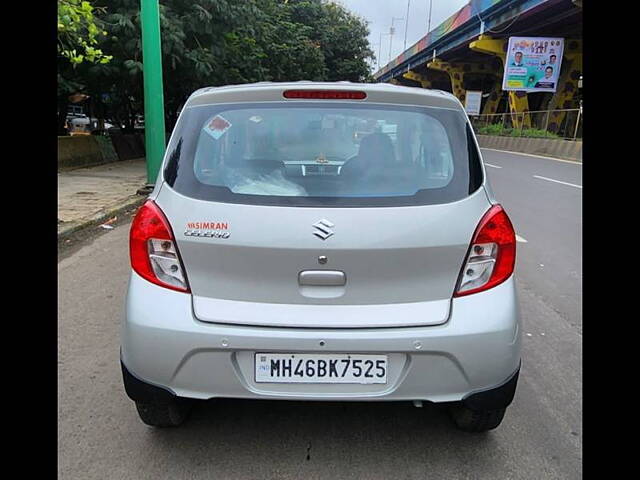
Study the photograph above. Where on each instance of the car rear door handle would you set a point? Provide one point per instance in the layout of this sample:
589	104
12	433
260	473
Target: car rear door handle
332	278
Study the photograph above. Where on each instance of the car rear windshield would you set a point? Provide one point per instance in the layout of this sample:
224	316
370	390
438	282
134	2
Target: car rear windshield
323	154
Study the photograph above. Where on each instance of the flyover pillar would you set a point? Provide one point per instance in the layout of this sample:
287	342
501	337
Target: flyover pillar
492	102
457	72
418	77
518	101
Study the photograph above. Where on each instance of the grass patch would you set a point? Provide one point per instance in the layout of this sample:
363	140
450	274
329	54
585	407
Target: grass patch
498	129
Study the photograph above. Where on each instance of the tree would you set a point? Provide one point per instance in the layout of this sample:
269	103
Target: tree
343	38
288	46
79	31
221	42
338	34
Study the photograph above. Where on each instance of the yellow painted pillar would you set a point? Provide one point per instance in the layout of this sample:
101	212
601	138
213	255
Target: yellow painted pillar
490	46
518	106
492	102
455	74
458	70
567	83
518	101
418	77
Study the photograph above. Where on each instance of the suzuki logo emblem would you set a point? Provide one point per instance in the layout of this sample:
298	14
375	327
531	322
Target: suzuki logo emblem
323	229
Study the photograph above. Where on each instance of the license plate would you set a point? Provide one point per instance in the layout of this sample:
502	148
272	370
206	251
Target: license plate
320	368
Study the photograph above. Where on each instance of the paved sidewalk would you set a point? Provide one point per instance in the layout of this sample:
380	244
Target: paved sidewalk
89	196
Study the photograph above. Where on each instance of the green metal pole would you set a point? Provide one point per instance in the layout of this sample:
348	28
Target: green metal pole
154	138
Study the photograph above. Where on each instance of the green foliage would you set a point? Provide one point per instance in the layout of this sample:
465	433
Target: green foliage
533	132
341	36
78	33
222	42
493	129
498	129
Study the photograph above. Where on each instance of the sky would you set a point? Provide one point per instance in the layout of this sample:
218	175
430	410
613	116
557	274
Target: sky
379	14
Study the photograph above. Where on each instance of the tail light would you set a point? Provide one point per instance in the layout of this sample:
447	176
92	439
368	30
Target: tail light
492	255
153	250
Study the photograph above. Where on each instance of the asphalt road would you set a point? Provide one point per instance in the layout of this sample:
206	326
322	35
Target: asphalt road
100	435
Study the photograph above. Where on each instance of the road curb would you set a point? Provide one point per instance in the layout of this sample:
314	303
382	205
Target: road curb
545	157
100	217
550	147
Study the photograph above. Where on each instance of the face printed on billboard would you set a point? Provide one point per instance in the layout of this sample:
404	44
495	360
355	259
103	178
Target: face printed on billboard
533	64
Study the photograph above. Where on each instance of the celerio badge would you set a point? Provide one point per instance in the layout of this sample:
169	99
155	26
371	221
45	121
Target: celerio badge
208	229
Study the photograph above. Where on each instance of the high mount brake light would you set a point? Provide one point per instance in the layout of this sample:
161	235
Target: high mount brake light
153	249
326	94
492	255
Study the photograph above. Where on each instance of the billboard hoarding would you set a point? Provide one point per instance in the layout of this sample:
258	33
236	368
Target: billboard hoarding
532	64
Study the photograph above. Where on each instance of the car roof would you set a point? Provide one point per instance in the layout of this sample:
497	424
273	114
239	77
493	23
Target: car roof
273	91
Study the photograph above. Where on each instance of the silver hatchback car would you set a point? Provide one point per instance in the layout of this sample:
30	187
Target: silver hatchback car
322	241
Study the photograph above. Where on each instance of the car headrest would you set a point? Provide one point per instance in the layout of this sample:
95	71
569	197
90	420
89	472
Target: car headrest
376	149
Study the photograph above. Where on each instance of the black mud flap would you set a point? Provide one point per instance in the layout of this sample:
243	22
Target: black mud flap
140	391
495	398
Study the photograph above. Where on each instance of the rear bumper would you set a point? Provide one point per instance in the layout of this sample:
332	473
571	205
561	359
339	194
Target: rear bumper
475	351
493	398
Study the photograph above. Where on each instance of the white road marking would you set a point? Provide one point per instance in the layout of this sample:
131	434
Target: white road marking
489	165
557	181
521	239
574	162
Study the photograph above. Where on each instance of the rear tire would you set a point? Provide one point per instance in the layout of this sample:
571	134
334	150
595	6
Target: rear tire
171	413
476	421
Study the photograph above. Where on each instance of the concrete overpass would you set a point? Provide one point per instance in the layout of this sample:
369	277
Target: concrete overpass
467	52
